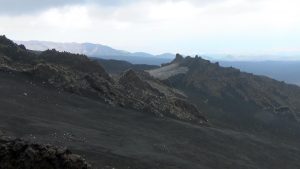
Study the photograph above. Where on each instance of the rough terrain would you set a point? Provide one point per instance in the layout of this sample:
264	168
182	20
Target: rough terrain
80	75
54	109
16	153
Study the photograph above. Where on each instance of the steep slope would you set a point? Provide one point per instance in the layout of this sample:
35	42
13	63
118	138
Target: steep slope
229	94
113	137
60	106
78	74
151	95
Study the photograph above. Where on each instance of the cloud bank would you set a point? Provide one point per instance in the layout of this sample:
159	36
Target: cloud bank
157	26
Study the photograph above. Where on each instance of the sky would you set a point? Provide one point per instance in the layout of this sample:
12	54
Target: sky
239	28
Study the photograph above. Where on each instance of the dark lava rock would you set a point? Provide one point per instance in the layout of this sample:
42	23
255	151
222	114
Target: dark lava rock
229	89
82	76
151	95
19	154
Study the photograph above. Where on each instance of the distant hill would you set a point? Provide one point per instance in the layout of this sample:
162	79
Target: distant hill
99	51
287	71
119	66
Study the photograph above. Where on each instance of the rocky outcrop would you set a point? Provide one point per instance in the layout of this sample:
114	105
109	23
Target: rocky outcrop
16	153
78	74
151	95
226	87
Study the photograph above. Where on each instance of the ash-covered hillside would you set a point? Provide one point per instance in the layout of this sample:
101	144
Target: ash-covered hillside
189	113
224	94
78	74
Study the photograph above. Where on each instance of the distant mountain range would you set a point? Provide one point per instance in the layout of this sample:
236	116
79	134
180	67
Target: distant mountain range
99	51
287	71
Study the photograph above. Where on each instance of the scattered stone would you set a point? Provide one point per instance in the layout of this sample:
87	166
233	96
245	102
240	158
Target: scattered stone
82	76
16	153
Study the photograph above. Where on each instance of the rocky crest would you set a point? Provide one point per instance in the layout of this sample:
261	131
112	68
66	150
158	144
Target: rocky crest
78	74
216	84
151	95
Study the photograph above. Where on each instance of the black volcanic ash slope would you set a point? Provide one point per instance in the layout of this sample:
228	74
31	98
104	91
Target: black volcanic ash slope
37	107
78	74
228	90
113	137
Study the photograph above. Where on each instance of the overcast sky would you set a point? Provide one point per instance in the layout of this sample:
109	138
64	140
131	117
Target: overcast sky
240	27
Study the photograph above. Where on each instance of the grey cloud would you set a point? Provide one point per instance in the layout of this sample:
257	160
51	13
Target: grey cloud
17	7
202	2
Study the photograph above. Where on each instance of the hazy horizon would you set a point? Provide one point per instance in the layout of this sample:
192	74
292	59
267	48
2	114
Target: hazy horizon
209	56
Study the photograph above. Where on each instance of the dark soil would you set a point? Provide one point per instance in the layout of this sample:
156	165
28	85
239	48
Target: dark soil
112	137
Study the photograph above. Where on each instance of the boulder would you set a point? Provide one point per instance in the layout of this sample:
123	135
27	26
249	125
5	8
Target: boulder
17	153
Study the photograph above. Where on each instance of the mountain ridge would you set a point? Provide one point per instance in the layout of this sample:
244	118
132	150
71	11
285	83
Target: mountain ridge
80	75
223	91
98	50
70	100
